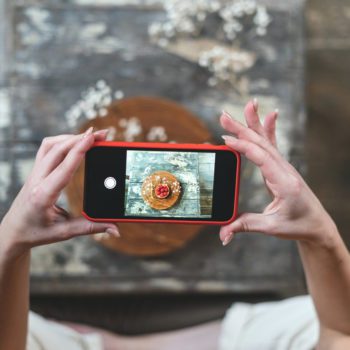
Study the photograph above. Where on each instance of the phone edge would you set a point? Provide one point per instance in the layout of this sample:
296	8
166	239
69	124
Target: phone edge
173	146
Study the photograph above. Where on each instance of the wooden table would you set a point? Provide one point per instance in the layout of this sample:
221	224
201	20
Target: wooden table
55	50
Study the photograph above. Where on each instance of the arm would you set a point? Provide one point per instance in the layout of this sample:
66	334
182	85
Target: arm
33	220
295	213
327	269
14	299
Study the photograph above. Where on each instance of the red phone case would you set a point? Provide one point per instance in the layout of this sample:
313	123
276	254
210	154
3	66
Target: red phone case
170	146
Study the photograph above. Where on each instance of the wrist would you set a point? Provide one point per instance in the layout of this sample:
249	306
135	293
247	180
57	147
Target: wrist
10	248
325	236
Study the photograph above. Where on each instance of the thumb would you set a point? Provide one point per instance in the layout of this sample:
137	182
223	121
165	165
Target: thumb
246	222
81	226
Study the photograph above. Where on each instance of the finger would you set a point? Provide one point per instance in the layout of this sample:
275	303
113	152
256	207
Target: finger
54	183
56	155
235	127
78	227
272	170
100	135
230	124
49	142
277	170
245	133
250	135
252	117
270	127
59	150
248	222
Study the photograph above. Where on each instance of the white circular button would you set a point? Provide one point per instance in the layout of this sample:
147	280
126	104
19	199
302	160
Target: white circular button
110	182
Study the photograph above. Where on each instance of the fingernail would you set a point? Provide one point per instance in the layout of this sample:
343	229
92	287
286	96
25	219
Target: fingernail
255	104
88	132
277	111
229	138
101	132
113	231
227	239
226	114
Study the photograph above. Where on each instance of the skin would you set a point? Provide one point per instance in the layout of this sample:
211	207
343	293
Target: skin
204	337
34	219
294	213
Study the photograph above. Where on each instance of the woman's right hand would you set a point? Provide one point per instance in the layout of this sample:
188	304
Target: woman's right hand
294	212
34	218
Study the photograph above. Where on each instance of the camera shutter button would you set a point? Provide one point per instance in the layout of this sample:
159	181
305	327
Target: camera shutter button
110	182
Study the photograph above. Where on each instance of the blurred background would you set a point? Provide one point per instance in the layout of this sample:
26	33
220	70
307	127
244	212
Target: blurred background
163	71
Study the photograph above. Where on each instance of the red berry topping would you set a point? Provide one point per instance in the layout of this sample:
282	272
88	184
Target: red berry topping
162	191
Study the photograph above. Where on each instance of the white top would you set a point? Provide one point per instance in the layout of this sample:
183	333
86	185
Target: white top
49	335
290	324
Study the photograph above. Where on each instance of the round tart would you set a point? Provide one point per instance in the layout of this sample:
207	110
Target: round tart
161	190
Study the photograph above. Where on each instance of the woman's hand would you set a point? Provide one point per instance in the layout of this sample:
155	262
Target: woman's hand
34	218
295	212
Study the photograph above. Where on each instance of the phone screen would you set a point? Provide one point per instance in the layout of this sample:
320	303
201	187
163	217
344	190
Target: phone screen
169	184
164	184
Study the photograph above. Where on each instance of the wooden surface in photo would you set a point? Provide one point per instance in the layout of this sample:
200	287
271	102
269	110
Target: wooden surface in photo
184	166
194	171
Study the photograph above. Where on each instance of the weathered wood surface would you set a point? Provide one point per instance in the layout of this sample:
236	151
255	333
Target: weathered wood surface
194	172
59	49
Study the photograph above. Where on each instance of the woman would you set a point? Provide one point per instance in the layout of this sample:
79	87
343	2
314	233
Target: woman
294	213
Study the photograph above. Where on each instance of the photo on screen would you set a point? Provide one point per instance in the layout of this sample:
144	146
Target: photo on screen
169	184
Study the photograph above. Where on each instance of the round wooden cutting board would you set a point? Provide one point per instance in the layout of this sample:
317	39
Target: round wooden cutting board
144	119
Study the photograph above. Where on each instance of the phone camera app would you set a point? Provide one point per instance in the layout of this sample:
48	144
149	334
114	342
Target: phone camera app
169	184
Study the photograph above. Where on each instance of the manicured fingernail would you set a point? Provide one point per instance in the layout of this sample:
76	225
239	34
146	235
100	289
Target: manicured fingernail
88	132
255	104
226	114
229	138
103	131
113	231
228	239
277	111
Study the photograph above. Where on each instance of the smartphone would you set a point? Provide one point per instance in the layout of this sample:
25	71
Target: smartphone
158	182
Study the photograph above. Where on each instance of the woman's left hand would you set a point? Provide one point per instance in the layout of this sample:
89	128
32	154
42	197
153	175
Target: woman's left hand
294	212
